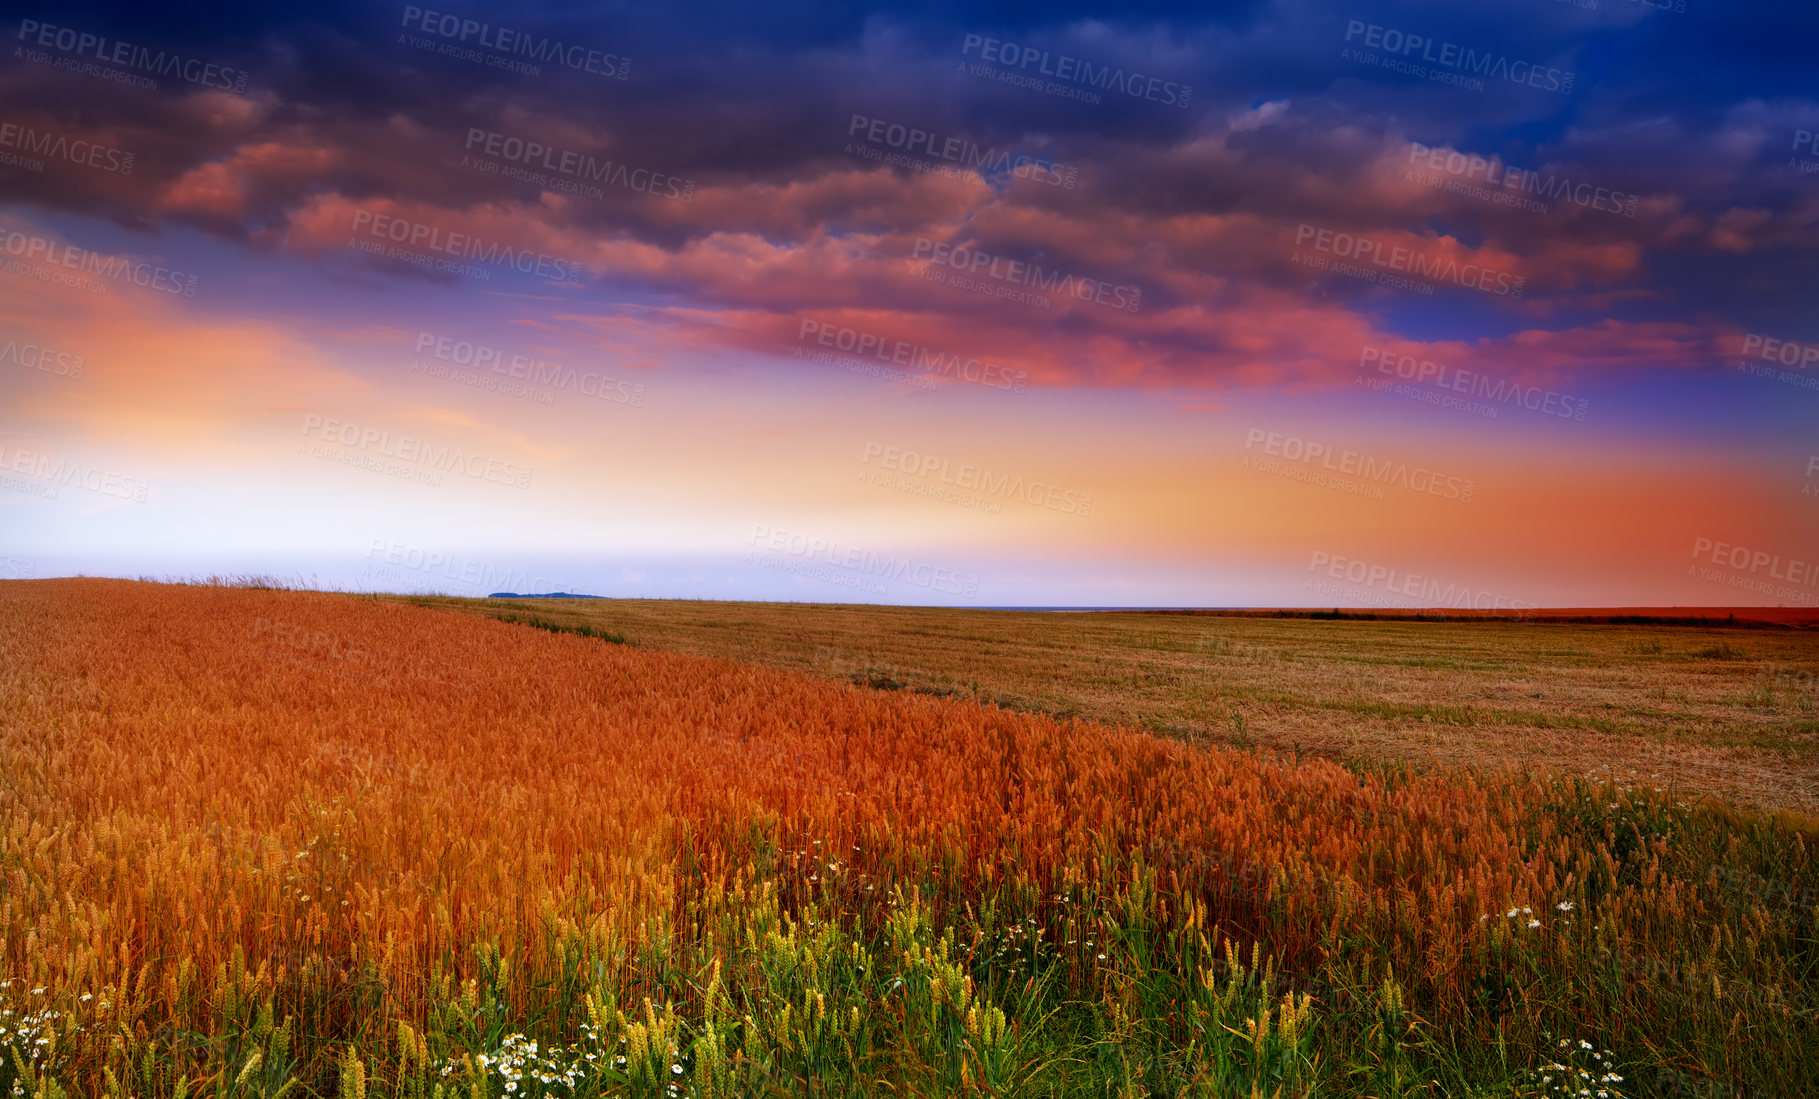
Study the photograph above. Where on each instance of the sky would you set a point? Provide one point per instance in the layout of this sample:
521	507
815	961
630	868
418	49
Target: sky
1254	304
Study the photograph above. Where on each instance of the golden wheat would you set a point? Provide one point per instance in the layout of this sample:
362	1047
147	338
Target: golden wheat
236	817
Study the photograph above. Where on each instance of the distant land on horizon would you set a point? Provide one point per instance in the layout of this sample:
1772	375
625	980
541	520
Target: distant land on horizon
1655	616
1652	616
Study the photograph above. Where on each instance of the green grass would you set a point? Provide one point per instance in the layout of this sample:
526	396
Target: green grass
580	629
777	985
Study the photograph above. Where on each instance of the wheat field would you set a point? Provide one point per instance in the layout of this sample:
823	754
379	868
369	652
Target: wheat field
269	842
1706	709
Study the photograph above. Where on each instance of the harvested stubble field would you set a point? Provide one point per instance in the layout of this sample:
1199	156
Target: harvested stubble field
1727	711
261	839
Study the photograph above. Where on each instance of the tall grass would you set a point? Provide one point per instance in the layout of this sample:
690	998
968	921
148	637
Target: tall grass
252	840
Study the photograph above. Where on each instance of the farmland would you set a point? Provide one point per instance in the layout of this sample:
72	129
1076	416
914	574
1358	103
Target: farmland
258	840
1722	711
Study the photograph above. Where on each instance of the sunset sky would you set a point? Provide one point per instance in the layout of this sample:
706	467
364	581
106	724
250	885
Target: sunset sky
1268	303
